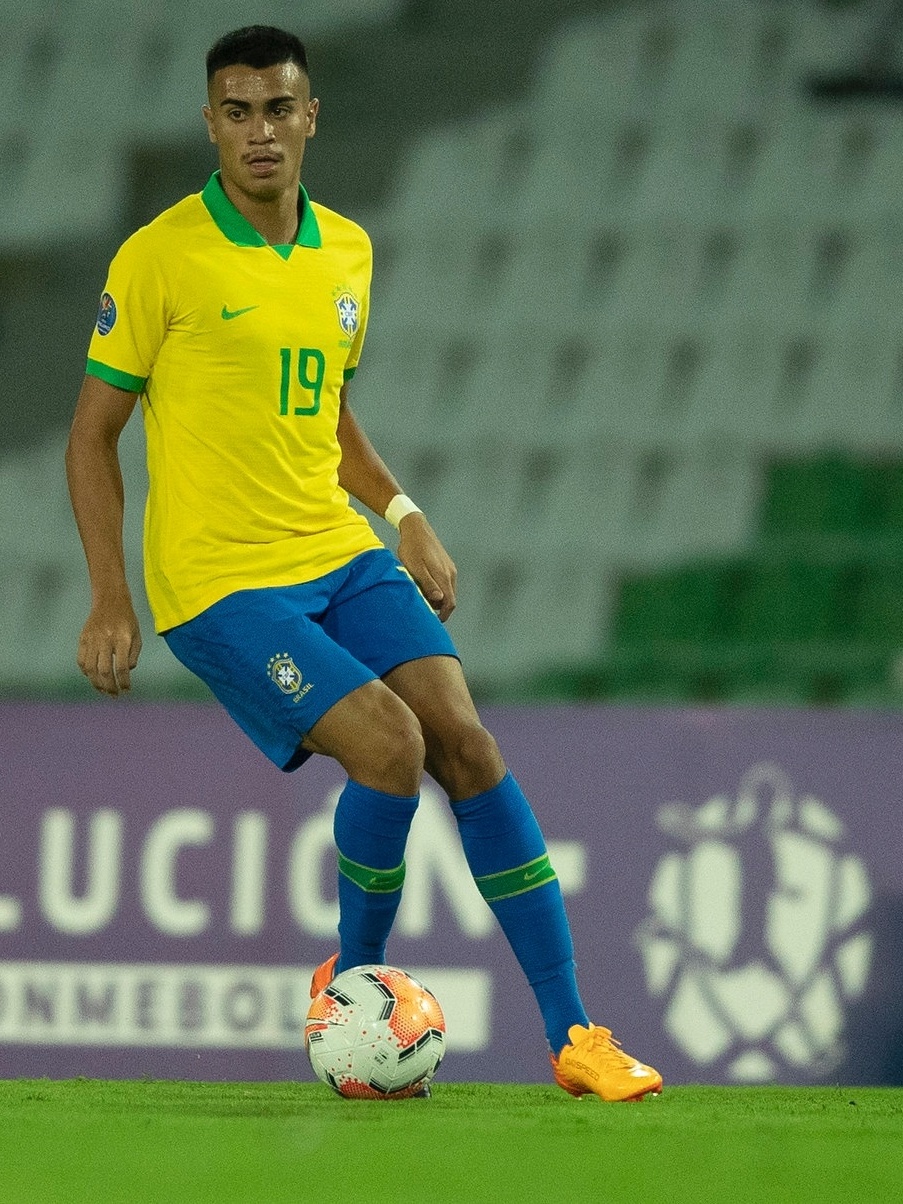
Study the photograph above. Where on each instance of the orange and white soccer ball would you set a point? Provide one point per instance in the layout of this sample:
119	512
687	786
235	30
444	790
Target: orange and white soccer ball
375	1033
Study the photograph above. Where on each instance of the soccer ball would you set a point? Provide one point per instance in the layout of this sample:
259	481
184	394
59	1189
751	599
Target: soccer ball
375	1033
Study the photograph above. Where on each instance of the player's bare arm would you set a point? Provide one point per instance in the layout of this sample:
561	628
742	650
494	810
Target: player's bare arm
364	475
110	640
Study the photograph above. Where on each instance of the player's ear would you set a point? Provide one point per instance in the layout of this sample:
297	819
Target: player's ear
312	110
208	117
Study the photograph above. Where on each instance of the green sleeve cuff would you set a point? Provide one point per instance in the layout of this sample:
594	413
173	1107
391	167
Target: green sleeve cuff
349	372
122	380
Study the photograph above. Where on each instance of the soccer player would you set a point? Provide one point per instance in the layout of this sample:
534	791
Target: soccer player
238	317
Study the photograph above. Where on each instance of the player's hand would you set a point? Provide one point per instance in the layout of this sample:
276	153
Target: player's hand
109	646
423	555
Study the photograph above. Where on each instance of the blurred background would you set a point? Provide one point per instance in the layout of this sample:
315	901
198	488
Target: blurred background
636	343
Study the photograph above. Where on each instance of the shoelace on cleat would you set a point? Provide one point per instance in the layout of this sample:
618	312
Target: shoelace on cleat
601	1039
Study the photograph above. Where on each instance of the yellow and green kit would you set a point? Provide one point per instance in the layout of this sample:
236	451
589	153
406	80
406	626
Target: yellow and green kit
239	350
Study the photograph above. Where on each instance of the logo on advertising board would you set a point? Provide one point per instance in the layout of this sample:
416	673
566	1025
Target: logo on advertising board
757	942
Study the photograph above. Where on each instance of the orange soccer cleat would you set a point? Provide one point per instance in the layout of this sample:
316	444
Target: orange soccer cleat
323	975
594	1062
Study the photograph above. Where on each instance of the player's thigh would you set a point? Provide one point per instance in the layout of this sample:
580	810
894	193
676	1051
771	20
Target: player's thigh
374	735
460	753
435	689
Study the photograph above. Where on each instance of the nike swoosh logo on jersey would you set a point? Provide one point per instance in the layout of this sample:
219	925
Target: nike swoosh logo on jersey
228	314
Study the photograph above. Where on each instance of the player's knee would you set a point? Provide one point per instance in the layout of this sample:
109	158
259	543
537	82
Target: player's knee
392	758
375	737
403	743
468	760
475	748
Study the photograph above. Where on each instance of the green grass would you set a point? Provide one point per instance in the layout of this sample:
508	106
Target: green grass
141	1142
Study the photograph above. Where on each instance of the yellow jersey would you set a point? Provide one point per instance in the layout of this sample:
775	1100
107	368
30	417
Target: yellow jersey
239	350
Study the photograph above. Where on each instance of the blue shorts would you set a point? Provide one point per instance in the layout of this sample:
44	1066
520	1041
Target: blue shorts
279	658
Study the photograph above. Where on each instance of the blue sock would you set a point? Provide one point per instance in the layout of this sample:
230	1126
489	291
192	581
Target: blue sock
371	830
506	852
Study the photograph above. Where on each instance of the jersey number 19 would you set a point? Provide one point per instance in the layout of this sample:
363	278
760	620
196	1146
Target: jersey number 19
309	372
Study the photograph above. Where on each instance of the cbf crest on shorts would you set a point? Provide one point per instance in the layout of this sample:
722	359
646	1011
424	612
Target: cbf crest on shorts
349	313
287	676
284	672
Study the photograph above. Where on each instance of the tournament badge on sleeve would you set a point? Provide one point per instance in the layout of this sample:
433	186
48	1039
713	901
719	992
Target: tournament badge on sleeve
106	314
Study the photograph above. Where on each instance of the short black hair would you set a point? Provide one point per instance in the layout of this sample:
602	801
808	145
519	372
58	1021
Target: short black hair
256	46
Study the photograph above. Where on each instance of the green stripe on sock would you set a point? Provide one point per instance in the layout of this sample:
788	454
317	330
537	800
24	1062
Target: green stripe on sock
518	881
377	882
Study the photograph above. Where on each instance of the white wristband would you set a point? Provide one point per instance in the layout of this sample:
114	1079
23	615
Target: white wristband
400	506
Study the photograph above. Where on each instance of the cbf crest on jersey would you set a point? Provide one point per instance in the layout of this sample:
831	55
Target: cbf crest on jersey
349	313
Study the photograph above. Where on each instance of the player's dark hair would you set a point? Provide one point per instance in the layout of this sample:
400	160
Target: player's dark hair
256	46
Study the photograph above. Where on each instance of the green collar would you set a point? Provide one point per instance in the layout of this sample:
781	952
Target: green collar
239	230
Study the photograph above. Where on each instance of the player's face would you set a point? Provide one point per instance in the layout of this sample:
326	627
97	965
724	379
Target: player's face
260	120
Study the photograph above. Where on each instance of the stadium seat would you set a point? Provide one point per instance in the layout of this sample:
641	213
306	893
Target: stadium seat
683	606
690	505
879	153
827	496
594	66
738	388
792	602
879	605
851	396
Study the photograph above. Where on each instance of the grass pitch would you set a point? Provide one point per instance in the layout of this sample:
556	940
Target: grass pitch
244	1143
